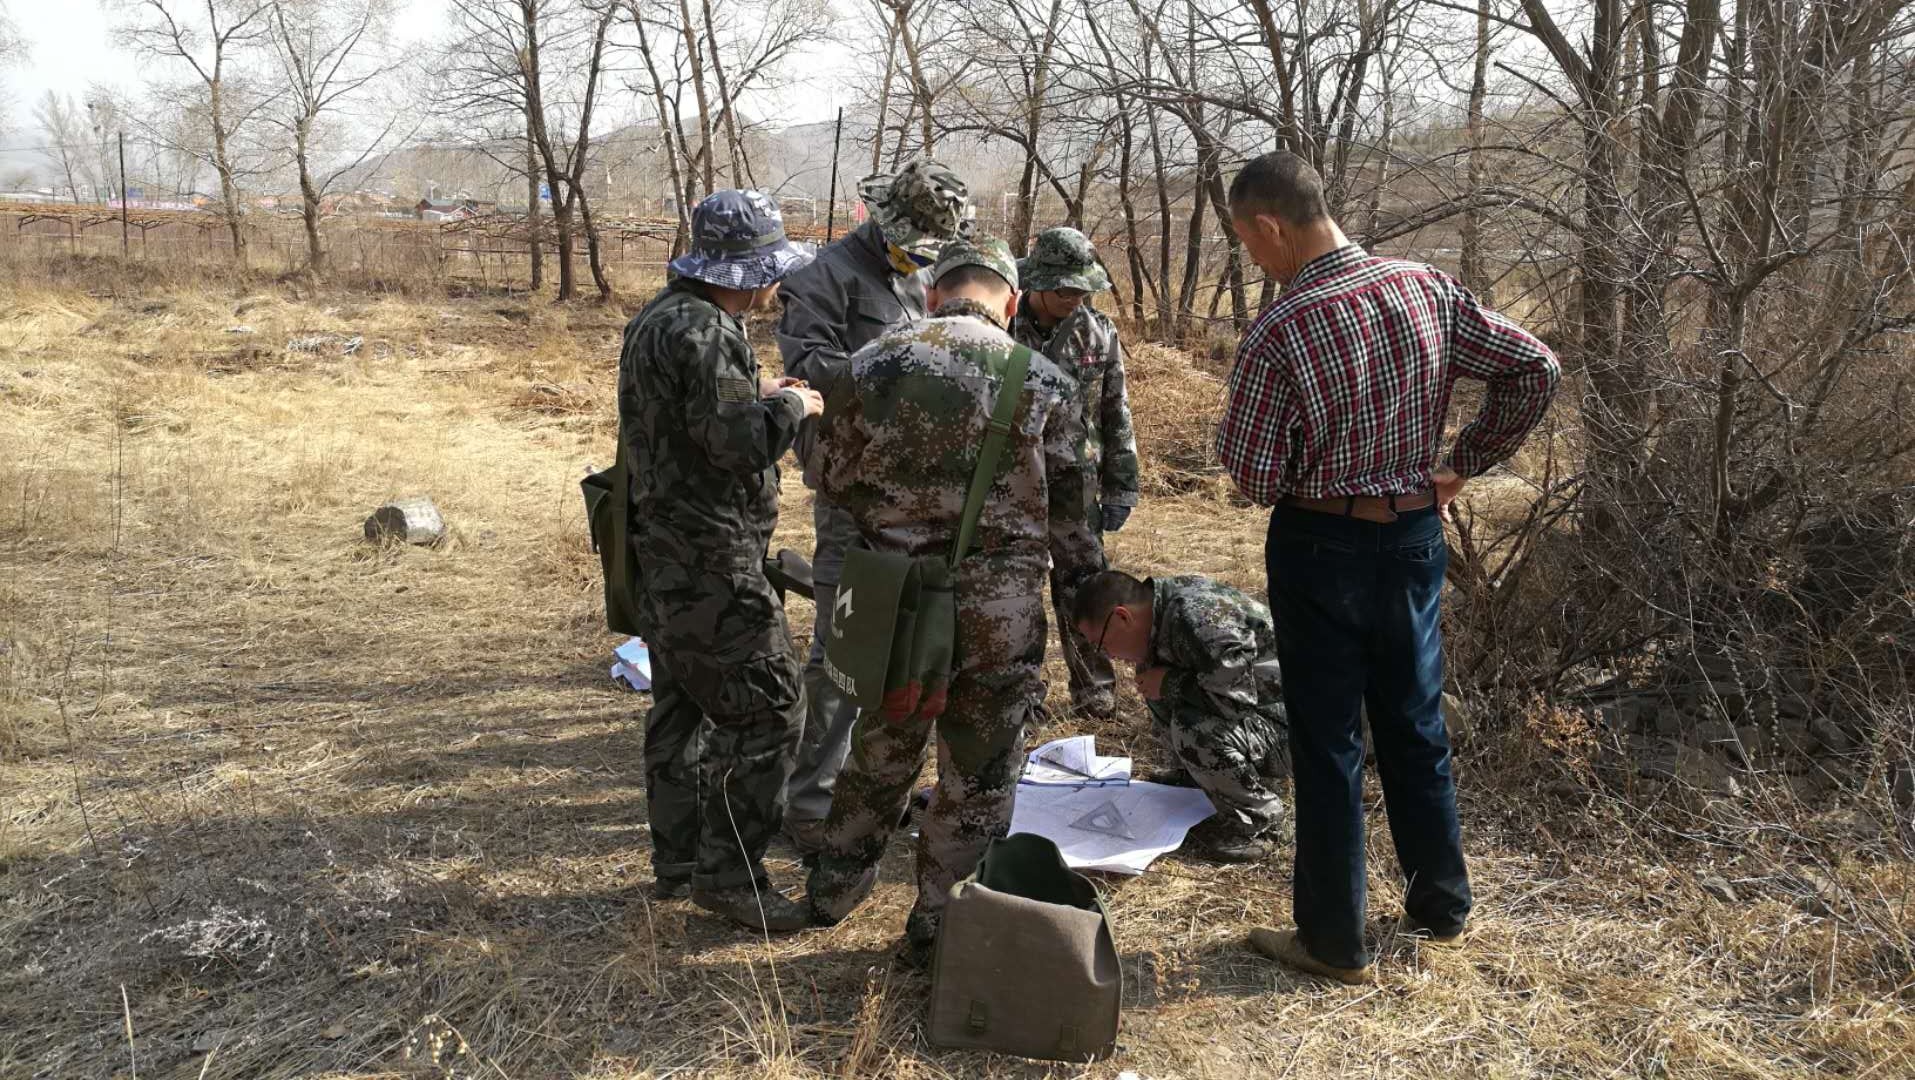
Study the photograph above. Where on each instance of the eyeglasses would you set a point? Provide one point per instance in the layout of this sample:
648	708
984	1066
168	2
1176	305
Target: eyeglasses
1103	633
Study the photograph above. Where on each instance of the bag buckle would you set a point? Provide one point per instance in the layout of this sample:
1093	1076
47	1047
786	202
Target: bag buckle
979	1019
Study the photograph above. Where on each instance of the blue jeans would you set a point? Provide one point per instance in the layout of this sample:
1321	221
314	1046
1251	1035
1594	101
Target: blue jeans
1355	603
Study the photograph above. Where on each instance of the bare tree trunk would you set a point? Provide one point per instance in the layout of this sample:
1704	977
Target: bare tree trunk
904	131
1289	132
681	237
1166	318
593	248
581	155
1386	147
884	92
740	167
1033	120
535	238
698	91
542	138
222	163
308	198
1132	255
920	89
1475	273
1193	258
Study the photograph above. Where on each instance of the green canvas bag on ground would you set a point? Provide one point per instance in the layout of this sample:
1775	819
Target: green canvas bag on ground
1026	963
894	622
608	517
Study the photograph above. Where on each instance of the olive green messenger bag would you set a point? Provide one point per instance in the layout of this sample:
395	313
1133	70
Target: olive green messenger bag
894	621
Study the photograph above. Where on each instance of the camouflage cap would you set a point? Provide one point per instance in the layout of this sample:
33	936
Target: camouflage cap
919	207
738	241
986	251
1063	258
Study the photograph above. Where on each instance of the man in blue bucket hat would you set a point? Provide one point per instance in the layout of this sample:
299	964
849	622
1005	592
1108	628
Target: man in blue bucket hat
702	431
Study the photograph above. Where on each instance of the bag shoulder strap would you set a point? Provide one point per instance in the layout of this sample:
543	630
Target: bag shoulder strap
997	433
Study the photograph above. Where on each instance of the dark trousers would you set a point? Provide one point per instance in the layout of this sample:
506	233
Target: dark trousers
1090	670
718	747
1355	603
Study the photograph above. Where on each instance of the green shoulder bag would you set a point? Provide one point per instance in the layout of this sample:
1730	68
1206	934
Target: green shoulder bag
894	621
608	517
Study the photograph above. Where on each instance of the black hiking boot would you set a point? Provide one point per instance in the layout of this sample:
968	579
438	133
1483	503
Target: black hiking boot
763	908
1223	844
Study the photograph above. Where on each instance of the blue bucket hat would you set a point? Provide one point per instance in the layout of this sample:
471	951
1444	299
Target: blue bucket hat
738	242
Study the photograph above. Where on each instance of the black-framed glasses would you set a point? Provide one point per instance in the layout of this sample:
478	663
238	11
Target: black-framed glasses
1103	633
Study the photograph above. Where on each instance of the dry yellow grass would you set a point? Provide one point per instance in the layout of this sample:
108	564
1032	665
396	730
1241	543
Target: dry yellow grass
319	809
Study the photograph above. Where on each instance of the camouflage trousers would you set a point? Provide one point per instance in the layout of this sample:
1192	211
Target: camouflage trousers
1240	763
1090	670
726	711
828	714
980	748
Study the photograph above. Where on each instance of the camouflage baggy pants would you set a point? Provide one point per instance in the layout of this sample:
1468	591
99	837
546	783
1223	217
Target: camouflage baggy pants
726	710
1090	670
828	714
980	747
1239	763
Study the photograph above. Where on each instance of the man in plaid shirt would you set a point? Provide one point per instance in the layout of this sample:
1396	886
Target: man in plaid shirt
1335	413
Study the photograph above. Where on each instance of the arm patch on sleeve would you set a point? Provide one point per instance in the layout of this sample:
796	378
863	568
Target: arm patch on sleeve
732	388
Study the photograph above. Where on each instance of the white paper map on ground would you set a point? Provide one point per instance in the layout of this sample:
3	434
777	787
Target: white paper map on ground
1074	761
633	664
1106	819
1096	814
1089	824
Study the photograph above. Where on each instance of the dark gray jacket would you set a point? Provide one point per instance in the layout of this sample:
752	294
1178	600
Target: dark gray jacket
845	299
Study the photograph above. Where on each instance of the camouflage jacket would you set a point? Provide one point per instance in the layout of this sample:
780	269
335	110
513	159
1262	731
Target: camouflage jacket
1085	345
703	446
901	440
1220	649
837	305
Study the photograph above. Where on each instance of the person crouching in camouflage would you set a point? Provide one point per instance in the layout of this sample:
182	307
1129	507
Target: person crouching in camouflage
1206	658
901	440
867	284
1055	317
703	433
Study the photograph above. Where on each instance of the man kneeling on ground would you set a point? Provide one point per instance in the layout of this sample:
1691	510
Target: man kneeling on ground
1206	658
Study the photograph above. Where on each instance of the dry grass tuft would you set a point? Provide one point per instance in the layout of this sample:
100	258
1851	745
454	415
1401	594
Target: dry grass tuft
1176	401
327	809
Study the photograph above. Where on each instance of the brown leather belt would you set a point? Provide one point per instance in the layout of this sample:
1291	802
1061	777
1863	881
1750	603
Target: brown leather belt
1381	509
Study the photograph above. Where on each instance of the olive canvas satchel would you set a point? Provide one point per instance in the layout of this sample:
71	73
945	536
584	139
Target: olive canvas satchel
608	518
1025	961
894	620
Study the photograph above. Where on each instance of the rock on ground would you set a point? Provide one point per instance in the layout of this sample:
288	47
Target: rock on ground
412	521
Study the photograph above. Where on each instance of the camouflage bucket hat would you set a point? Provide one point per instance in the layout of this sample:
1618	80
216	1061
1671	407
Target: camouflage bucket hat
1063	258
986	251
920	207
738	242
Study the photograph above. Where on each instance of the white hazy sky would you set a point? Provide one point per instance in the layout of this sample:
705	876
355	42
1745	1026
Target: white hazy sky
70	48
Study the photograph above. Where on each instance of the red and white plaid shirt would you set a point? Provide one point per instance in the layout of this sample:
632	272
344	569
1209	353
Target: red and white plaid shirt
1341	386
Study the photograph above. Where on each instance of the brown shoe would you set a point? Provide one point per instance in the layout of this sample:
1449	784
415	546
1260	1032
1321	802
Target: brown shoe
1423	935
1283	947
763	908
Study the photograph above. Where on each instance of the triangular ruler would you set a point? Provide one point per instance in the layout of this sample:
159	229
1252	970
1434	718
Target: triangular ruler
1106	819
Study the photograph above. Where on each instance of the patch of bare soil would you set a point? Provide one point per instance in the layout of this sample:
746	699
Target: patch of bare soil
277	803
